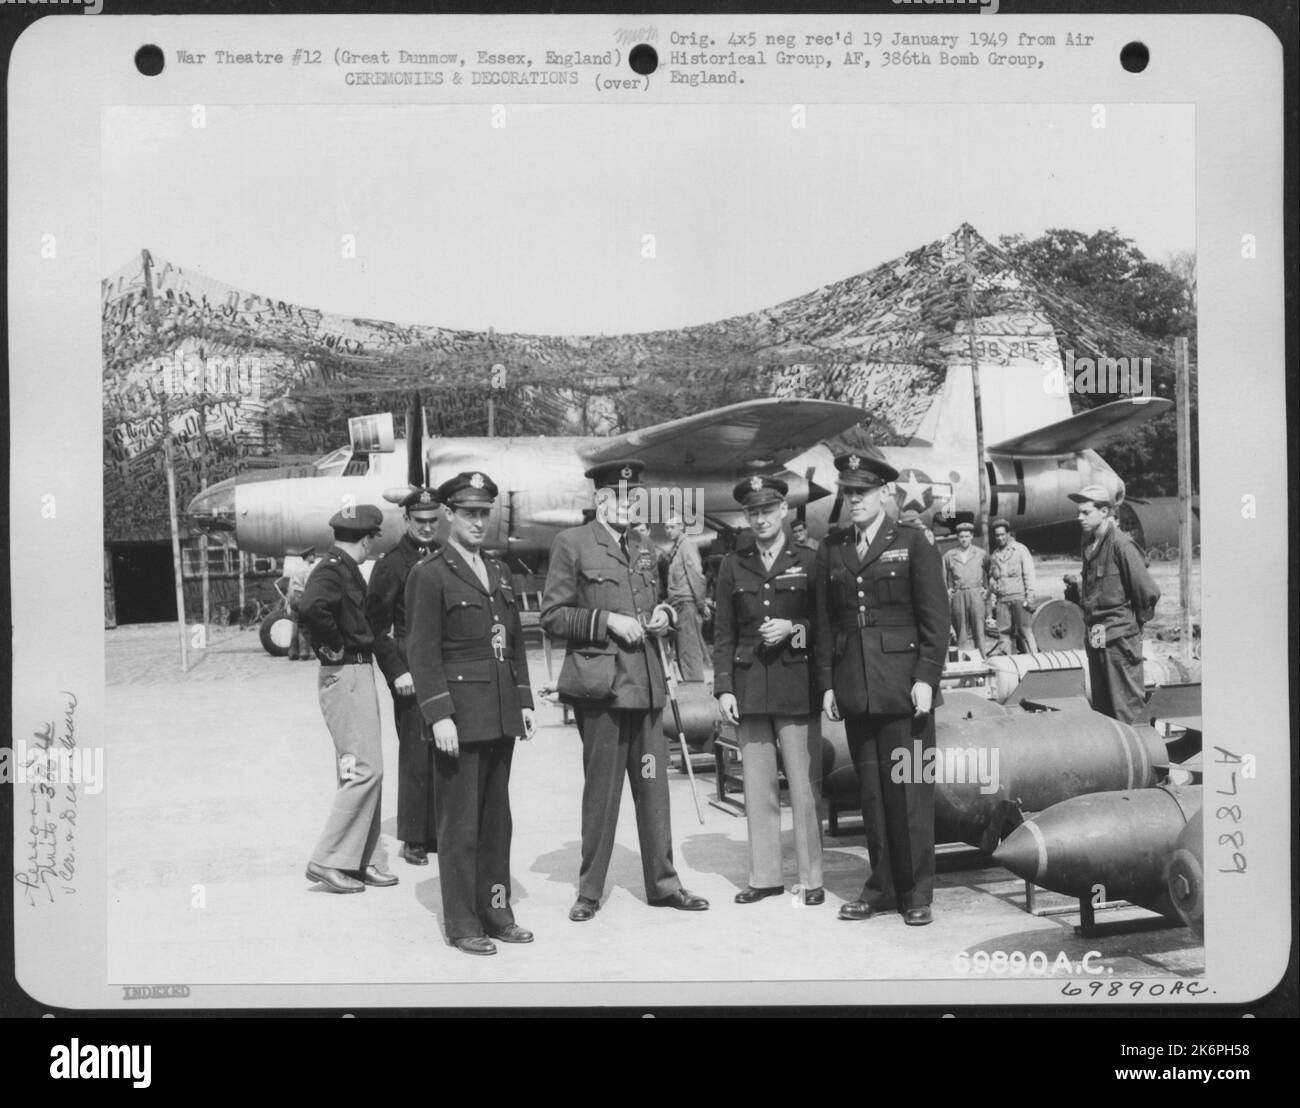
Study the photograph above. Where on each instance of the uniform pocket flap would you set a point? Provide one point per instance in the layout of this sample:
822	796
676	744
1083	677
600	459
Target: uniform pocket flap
597	651
785	584
459	672
895	640
453	601
744	654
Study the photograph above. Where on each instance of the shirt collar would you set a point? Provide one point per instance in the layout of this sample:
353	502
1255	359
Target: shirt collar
470	556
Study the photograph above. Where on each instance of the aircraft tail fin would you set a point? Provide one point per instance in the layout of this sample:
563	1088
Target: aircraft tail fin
1084	431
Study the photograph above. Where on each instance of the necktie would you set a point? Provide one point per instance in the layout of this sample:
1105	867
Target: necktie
622	545
862	542
767	558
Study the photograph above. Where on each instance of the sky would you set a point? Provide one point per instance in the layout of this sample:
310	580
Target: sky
540	226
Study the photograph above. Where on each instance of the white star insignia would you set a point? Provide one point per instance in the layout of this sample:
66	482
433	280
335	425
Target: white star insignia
915	492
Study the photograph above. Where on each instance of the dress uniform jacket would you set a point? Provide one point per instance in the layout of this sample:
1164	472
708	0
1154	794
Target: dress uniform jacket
882	621
465	646
590	577
386	613
765	680
386	605
618	694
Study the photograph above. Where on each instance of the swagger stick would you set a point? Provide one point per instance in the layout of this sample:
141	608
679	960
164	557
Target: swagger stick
677	719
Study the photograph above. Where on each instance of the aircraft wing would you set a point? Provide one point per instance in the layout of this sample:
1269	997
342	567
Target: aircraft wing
1085	430
756	433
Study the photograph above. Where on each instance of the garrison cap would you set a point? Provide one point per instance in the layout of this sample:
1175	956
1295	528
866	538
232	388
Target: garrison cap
758	492
964	526
624	472
861	471
466	489
351	524
422	497
1094	493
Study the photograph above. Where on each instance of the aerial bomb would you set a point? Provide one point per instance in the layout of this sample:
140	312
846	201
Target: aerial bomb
1117	843
1186	878
987	771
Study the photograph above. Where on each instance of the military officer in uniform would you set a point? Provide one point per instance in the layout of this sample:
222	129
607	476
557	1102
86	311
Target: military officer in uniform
601	599
417	826
686	593
881	634
465	647
1117	596
333	609
763	679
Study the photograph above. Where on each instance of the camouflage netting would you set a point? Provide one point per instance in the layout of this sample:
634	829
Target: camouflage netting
246	382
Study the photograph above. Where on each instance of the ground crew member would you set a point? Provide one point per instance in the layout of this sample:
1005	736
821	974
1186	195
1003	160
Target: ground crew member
686	593
1011	588
1117	596
965	571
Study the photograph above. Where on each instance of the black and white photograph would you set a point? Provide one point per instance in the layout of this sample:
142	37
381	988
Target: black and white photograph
728	550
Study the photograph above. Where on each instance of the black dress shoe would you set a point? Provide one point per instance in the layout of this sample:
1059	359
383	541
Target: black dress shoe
918	917
814	896
415	854
857	909
476	944
513	933
750	894
373	875
334	879
682	901
583	909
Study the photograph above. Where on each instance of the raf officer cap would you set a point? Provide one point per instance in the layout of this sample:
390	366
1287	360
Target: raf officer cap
467	489
351	524
861	471
758	492
418	498
1095	494
625	473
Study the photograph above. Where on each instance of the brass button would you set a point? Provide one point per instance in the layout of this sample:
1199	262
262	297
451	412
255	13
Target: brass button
861	593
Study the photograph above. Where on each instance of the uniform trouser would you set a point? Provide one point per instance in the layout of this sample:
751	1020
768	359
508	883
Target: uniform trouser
1115	675
474	829
968	617
300	644
690	640
416	813
801	752
615	742
897	807
350	706
1014	632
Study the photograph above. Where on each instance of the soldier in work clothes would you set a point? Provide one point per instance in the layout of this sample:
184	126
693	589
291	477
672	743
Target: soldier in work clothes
601	599
965	571
763	679
1011	585
465	647
686	595
417	826
881	635
334	611
1117	596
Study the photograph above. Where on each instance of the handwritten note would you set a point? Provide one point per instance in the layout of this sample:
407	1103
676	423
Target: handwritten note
52	769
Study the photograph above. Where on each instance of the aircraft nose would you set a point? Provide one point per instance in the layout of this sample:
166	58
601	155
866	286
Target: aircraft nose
214	508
